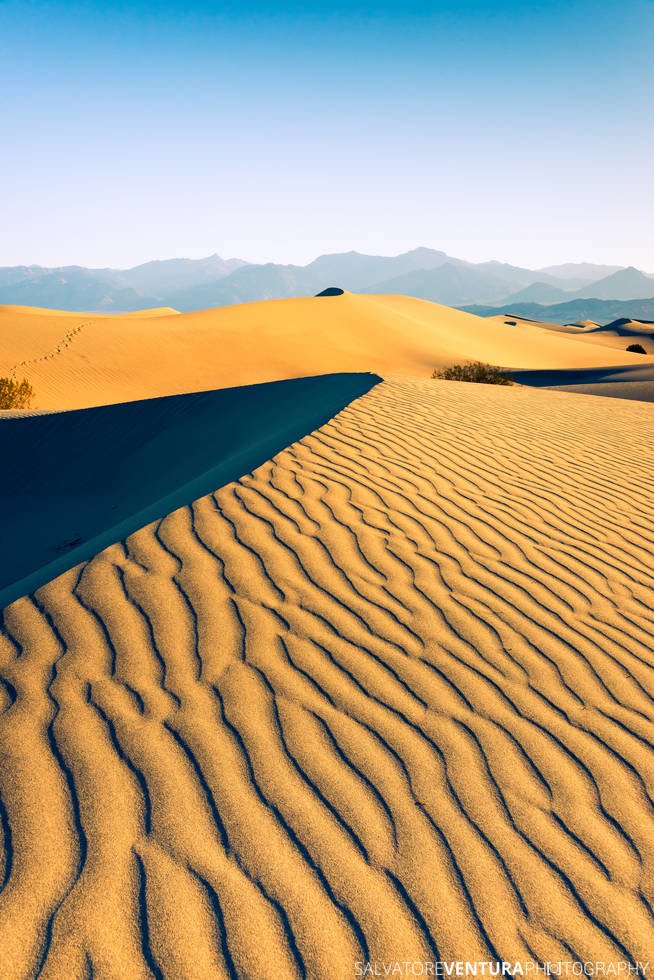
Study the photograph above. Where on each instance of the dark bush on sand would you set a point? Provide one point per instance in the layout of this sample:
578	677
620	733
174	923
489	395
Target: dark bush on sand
15	394
475	371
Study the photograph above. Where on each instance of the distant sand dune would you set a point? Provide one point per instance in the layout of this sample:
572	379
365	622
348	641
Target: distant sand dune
622	333
389	697
124	358
42	311
633	380
618	334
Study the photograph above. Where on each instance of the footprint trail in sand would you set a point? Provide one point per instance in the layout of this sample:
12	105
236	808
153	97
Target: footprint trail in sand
63	345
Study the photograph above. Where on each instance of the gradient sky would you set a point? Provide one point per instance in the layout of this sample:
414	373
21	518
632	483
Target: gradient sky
276	132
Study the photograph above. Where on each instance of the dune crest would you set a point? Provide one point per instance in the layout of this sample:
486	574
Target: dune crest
388	697
123	358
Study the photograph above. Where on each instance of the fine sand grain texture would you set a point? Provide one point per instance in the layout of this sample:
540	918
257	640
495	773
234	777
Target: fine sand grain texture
75	361
388	697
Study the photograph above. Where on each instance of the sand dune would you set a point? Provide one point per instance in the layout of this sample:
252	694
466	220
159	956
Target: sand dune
633	380
77	361
624	327
627	381
621	333
388	697
618	334
42	311
83	479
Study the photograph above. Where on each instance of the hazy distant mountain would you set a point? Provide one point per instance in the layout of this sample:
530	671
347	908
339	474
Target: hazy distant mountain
537	292
485	282
449	284
193	284
518	276
249	283
71	288
600	310
349	270
586	271
627	283
354	271
17	274
171	274
105	290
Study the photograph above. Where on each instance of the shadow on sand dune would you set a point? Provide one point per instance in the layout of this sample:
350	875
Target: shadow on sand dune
625	381
74	482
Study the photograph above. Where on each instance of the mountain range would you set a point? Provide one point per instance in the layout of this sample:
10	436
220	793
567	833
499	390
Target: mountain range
600	311
194	284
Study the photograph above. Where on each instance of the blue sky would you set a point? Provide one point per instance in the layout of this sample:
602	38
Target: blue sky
280	131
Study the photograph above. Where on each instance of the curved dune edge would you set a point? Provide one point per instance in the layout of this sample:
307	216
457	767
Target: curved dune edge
81	480
388	697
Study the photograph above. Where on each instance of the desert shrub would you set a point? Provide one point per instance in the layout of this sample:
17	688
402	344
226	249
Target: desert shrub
475	371
15	393
636	349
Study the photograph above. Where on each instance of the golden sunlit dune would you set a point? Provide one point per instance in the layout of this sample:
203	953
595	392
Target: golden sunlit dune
80	360
301	676
386	698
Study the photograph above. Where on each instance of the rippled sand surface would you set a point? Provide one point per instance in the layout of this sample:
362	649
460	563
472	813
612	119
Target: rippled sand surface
387	697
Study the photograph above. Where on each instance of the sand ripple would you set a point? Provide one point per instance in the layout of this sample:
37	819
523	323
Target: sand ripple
389	697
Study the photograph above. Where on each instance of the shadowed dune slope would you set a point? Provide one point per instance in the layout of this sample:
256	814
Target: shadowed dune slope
81	361
634	380
76	481
388	697
630	381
